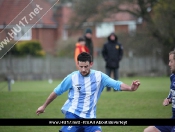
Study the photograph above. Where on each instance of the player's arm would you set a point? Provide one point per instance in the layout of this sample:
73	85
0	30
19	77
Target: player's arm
133	87
118	85
51	97
167	100
61	88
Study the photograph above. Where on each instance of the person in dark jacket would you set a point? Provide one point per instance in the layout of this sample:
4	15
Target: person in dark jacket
89	42
112	53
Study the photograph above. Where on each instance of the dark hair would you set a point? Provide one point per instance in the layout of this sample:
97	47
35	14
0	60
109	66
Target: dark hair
80	39
84	57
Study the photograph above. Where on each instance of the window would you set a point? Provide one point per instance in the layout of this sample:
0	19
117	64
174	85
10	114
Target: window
24	34
104	29
132	28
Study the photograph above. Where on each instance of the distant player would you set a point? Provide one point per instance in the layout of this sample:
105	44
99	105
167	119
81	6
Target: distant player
170	99
85	87
80	47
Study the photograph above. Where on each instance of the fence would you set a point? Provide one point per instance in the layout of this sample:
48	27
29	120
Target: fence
29	68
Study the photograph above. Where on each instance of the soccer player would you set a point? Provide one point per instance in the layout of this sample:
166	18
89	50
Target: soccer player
170	99
85	87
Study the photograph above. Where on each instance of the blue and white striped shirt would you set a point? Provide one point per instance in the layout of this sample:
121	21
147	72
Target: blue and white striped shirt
84	92
172	90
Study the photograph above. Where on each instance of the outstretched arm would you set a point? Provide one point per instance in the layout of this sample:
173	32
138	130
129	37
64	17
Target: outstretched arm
51	97
134	86
118	85
167	100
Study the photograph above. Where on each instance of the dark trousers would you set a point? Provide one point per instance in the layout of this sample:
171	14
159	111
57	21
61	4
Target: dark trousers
115	73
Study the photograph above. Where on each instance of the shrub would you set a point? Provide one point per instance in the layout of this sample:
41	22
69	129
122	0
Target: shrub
66	48
24	48
11	48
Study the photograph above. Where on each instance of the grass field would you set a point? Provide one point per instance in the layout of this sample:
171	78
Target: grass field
26	96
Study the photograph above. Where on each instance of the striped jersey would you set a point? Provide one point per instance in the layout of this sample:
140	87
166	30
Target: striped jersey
172	93
84	92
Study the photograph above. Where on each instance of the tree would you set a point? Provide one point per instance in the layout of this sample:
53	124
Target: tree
164	19
158	15
99	9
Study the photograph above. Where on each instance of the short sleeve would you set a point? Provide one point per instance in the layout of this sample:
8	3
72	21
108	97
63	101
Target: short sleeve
64	85
109	82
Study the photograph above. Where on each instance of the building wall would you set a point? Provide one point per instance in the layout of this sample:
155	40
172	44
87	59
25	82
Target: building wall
2	35
47	38
121	28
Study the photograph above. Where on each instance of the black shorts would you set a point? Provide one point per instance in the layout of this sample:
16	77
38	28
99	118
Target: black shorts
166	128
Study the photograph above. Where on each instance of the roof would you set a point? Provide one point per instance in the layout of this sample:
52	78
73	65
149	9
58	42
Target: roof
113	17
121	16
26	12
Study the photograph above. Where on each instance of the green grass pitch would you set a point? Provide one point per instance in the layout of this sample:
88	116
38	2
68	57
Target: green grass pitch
26	96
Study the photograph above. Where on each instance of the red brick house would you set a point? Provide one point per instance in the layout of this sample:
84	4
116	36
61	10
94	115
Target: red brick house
27	16
117	22
54	23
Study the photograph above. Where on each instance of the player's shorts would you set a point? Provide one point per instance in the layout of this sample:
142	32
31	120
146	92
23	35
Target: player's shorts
70	115
166	128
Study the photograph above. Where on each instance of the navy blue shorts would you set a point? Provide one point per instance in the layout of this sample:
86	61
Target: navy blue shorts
69	115
166	128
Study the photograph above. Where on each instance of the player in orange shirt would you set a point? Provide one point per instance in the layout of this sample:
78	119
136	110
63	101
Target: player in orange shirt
80	47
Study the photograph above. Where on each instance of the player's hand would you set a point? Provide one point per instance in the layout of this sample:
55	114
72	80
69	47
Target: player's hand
40	110
166	102
135	85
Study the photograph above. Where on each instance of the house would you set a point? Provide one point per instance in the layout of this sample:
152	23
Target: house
48	22
28	19
121	22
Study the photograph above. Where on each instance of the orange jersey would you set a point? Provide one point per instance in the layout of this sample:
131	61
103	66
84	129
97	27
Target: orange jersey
79	49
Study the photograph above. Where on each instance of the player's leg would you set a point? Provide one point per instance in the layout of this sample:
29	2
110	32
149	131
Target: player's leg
158	129
71	129
173	129
92	129
70	115
164	128
151	129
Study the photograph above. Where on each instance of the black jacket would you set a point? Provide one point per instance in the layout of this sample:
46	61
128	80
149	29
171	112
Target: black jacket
89	45
112	52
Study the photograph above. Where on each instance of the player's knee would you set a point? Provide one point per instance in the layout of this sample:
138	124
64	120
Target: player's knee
146	130
150	129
